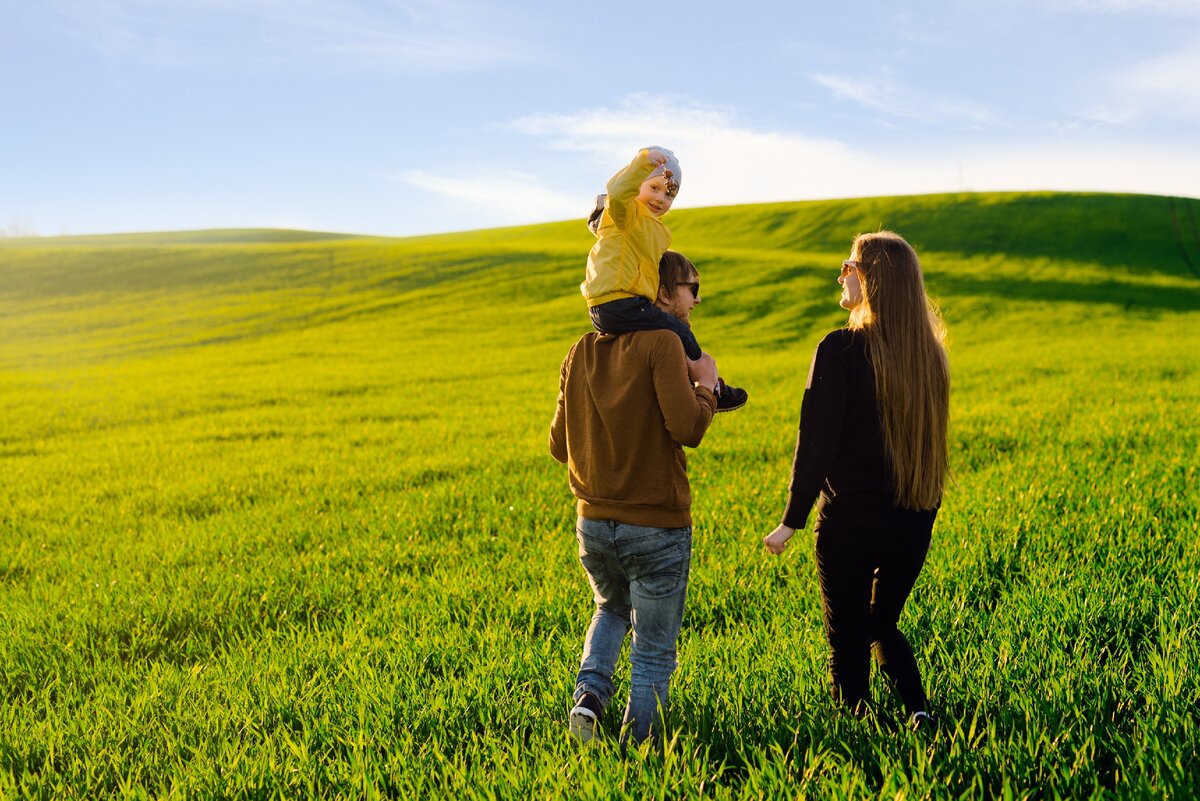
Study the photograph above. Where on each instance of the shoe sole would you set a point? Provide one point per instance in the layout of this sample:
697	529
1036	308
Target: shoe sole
583	725
719	410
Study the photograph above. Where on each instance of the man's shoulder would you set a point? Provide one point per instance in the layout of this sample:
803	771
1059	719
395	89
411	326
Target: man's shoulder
586	341
579	346
652	337
657	335
658	340
638	346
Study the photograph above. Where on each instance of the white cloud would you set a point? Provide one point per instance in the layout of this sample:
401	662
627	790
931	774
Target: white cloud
1164	87
1172	80
428	34
869	93
512	197
1085	168
886	96
1187	8
725	162
640	120
721	161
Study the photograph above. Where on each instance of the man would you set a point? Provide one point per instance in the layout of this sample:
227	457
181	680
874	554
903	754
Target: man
626	406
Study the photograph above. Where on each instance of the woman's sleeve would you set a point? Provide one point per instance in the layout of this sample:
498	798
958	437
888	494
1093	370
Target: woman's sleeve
821	415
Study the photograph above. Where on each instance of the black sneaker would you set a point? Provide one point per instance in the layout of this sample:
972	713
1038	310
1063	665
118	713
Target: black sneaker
921	721
585	718
730	398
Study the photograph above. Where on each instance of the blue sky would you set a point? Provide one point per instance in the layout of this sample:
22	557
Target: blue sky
420	116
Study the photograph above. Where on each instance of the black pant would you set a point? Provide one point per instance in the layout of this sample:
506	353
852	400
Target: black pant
638	314
867	570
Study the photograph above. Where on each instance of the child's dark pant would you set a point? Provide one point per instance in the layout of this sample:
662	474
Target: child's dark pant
867	572
639	314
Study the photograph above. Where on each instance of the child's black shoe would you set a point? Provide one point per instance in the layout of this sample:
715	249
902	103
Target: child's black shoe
730	398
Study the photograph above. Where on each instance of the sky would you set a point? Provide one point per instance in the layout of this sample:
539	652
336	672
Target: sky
403	117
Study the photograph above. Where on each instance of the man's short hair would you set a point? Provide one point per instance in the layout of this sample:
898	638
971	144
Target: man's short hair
675	269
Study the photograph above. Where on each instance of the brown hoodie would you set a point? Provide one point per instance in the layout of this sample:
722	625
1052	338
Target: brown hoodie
625	408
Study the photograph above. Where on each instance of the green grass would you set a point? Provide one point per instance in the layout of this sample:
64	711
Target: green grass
278	519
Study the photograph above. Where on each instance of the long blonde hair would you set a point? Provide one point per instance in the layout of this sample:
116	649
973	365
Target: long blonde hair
905	339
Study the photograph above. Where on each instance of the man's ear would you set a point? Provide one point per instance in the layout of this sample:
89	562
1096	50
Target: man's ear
663	295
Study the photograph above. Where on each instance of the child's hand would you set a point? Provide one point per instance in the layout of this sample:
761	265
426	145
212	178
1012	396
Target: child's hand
657	157
776	542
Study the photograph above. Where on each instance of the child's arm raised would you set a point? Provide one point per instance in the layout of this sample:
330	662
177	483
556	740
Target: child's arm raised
623	187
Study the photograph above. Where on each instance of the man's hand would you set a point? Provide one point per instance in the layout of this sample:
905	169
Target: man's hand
703	371
777	540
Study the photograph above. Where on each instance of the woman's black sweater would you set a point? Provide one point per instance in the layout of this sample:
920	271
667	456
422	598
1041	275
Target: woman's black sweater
840	455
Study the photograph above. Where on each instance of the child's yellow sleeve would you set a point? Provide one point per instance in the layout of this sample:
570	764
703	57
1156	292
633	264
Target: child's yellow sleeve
623	189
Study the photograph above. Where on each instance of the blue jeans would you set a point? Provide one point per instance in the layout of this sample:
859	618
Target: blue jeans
639	578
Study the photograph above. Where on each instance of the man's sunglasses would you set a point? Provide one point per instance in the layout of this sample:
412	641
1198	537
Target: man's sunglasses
692	285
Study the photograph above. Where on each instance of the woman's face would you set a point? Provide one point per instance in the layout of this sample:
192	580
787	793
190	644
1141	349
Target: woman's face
851	282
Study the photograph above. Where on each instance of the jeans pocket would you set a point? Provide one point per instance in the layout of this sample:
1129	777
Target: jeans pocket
663	572
596	562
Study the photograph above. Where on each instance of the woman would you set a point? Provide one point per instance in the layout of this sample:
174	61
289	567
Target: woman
871	454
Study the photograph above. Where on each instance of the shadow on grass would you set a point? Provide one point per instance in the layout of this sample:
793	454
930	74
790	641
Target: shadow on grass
1123	295
970	748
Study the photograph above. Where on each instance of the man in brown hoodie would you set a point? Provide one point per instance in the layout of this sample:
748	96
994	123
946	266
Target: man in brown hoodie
626	406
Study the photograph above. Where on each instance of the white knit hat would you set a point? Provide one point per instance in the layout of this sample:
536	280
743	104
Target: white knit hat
672	165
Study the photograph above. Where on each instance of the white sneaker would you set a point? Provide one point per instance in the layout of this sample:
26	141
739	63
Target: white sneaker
583	724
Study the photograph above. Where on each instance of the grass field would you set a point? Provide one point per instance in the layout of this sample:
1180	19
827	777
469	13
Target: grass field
278	518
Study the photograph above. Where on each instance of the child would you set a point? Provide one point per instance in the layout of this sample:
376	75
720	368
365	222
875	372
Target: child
622	267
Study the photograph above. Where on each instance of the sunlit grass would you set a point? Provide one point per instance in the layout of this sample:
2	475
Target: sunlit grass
278	517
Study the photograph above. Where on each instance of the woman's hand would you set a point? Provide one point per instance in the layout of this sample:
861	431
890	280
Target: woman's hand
777	540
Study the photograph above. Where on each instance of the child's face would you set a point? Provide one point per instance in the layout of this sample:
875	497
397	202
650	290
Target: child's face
654	195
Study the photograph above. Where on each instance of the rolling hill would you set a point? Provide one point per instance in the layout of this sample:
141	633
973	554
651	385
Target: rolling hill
278	518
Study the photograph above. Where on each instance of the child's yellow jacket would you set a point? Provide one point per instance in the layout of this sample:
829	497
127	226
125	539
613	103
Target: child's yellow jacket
629	242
